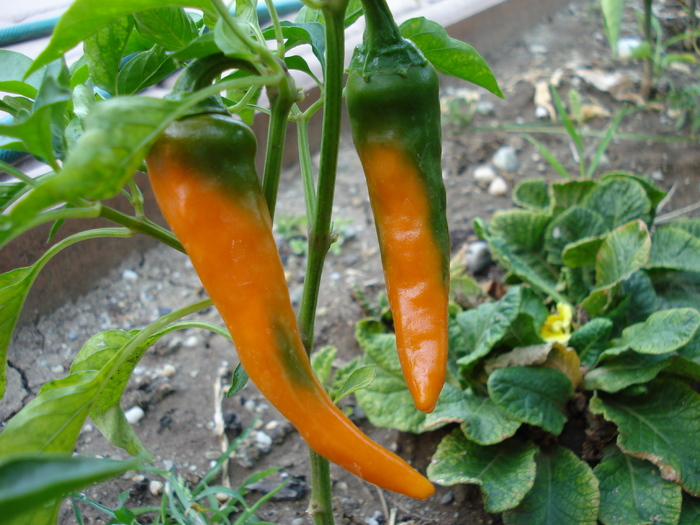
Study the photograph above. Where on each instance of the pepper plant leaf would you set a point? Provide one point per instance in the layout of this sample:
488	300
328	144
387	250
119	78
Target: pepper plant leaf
311	33
565	491
633	492
104	50
534	395
29	481
170	27
504	472
85	17
448	55
659	425
144	70
14	68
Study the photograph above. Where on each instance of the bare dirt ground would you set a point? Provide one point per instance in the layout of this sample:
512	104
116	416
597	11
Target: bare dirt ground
176	383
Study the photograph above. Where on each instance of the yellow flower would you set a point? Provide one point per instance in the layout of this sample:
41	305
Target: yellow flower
557	327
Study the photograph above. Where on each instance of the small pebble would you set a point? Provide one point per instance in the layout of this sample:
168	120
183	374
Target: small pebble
478	256
485	107
505	159
222	498
657	175
57	369
130	275
627	46
541	113
155	487
72	336
484	174
168	464
134	414
191	341
538	49
138	478
372	521
448	498
263	441
87	428
168	370
297	521
498	187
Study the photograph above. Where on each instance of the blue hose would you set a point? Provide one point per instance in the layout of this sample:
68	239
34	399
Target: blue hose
42	28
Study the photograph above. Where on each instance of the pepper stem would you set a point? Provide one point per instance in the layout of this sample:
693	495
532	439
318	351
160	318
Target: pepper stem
380	28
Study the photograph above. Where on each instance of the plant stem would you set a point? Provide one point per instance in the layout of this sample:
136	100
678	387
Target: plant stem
282	97
321	507
142	225
647	79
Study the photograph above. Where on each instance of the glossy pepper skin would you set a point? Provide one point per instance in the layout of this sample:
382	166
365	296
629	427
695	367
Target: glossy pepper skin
392	95
203	175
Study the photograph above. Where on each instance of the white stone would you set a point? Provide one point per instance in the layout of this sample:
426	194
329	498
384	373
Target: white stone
499	187
478	256
134	414
627	46
130	275
505	159
156	487
484	174
168	370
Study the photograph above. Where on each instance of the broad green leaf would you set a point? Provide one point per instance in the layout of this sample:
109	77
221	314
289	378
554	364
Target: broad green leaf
632	492
660	425
228	41
522	229
590	339
504	472
358	379
169	27
677	289
14	67
643	300
481	420
85	17
534	395
654	194
565	492
144	70
449	56
352	13
30	481
118	133
570	226
663	332
582	252
674	249
623	252
106	412
532	194
485	326
628	368
692	226
525	328
612	18
322	363
566	195
619	201
202	46
104	50
9	191
690	510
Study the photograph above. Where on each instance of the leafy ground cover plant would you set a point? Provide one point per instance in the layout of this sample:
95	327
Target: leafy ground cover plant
92	128
572	396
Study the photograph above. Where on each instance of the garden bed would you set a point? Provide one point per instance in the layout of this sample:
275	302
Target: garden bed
178	381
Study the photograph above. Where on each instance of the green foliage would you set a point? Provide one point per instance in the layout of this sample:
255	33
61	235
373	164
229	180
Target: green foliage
619	348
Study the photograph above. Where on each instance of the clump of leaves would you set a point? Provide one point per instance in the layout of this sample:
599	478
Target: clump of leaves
572	396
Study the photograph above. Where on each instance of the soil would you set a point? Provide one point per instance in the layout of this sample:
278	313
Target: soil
178	382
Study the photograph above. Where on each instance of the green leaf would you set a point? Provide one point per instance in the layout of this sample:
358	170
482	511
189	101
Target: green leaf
565	492
118	133
522	229
169	27
619	201
548	156
628	368
532	194
228	41
612	18
144	70
9	191
566	195
14	68
85	17
674	249
238	381
106	412
660	425
632	492
485	326
311	33
449	56
590	339
505	472
30	481
104	50
654	194
481	420
582	252
663	332
322	363
534	395
358	379
570	226
623	252
692	226
690	510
